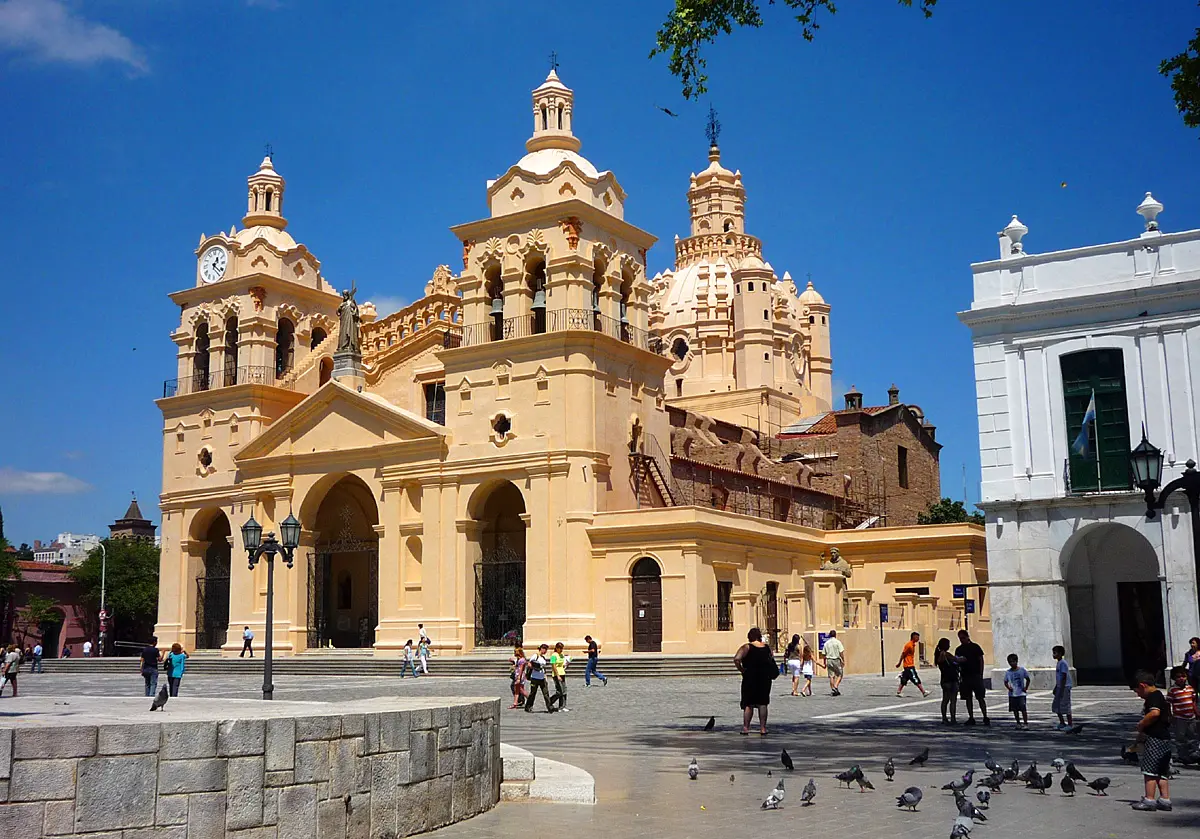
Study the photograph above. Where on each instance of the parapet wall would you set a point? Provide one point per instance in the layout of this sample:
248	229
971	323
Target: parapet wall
219	769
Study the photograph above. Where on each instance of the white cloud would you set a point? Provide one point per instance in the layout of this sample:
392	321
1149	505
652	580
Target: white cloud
49	31
388	305
19	482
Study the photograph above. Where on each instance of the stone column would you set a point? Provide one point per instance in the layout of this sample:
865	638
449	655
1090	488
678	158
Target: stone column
860	604
824	590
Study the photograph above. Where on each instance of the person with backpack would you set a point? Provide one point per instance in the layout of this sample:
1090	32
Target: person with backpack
174	666
537	680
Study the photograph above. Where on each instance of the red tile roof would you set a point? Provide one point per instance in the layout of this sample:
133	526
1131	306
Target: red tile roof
828	423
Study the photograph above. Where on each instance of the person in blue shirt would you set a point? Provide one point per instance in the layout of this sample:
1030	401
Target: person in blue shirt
175	665
1062	689
1016	679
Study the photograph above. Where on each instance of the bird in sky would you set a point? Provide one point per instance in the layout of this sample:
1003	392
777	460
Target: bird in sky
667	111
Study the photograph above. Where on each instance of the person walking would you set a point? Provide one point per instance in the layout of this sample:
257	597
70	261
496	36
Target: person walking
517	677
423	655
808	666
537	680
247	642
36	666
792	657
558	669
10	668
66	653
834	656
175	665
947	666
970	659
593	663
149	660
1061	704
1154	737
409	660
87	649
755	661
908	660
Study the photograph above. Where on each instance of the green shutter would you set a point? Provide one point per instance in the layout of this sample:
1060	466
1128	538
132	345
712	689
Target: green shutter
1103	372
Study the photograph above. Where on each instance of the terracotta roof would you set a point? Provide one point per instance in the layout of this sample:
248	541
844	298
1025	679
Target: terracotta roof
827	424
134	513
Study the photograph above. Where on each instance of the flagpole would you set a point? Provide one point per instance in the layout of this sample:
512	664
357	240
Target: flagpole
1096	434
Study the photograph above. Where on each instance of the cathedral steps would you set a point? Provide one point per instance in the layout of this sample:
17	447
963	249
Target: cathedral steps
355	662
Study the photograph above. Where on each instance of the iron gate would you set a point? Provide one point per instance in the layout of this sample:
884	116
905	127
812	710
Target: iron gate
212	611
320	590
499	598
773	619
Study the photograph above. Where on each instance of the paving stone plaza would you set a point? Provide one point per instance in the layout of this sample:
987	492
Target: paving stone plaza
636	736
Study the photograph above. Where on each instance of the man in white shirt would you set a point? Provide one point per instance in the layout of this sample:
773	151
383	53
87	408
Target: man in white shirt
36	667
834	654
87	649
247	638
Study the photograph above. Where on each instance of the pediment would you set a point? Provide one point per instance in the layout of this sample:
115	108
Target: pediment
337	418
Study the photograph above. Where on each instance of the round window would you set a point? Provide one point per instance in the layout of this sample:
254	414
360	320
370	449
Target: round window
679	348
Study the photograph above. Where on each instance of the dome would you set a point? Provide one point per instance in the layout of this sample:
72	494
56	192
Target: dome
545	161
810	296
752	262
692	286
280	240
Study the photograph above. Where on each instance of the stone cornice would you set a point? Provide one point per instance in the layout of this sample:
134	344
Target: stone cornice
548	216
243	284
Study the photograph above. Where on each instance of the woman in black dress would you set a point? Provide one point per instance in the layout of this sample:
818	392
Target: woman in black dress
948	665
756	663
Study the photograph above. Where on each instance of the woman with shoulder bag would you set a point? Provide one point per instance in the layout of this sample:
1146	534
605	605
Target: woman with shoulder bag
755	661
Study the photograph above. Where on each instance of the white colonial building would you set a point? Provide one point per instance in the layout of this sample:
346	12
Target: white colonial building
1072	557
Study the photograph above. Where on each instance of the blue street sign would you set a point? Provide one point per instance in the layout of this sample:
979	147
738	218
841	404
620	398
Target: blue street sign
821	639
960	591
883	613
970	607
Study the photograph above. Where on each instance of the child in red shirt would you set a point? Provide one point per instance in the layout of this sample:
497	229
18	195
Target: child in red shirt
1182	697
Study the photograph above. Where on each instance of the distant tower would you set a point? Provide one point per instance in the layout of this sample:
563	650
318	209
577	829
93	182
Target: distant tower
820	355
133	525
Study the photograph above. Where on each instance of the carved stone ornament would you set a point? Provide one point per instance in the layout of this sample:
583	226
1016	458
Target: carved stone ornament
442	281
572	227
259	295
467	245
493	250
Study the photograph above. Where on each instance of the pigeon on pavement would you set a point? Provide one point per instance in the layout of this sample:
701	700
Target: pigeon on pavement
786	759
708	726
1074	774
731	779
1100	785
991	765
808	793
969	810
773	800
1010	774
847	778
889	769
158	702
959	831
1058	764
920	759
963	825
962	783
693	769
863	783
1075	729
910	798
992	782
1029	773
1041	783
1067	784
984	796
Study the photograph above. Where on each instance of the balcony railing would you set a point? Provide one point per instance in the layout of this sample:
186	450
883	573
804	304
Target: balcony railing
716	617
560	320
1096	480
212	380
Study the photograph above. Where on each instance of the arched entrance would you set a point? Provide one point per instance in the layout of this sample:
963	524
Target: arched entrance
212	586
1114	603
500	570
51	630
647	606
343	568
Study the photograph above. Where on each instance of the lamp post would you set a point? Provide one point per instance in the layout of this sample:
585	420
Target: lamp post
1146	462
103	613
257	548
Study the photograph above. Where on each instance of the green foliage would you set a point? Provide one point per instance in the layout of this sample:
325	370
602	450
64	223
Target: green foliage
693	24
1184	72
948	512
132	586
39	610
25	553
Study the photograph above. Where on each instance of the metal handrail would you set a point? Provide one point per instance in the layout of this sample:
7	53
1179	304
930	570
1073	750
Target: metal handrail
560	320
248	375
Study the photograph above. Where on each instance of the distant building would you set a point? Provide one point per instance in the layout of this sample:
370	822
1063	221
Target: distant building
133	525
68	548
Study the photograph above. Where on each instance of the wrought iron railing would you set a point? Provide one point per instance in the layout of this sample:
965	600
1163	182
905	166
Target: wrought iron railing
1090	484
560	320
250	375
716	617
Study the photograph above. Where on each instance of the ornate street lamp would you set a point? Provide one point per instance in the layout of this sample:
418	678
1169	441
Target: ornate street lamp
1146	463
257	548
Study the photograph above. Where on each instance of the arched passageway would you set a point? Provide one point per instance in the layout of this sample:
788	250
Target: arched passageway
343	567
498	511
1114	603
647	606
212	586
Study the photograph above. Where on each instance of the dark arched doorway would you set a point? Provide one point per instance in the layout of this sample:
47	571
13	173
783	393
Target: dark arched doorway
647	606
343	568
212	586
51	630
500	569
1114	604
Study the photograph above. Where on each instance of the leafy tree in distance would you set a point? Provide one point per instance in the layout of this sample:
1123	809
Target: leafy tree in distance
132	588
1184	72
36	613
946	511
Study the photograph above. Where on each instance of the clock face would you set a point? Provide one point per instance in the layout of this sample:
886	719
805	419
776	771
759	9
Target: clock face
212	264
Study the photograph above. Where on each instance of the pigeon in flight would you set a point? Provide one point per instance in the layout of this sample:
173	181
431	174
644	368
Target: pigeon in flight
889	769
1100	785
1058	764
1074	774
808	793
920	759
962	783
667	111
985	797
773	800
786	760
160	700
910	798
1067	784
693	769
712	721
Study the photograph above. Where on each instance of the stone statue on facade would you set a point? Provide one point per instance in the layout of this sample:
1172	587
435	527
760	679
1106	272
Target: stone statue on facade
836	563
348	323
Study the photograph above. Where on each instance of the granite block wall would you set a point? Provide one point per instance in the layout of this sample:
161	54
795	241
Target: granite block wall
375	775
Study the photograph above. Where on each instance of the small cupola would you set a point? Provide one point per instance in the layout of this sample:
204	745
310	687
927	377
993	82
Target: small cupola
893	395
853	399
265	200
553	104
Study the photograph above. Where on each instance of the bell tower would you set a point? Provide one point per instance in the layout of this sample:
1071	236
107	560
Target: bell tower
716	197
264	204
553	104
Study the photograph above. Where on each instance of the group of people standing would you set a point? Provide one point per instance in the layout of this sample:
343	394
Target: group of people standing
756	662
528	675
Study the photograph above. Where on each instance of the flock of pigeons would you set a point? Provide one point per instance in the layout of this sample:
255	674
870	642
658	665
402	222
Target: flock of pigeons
969	813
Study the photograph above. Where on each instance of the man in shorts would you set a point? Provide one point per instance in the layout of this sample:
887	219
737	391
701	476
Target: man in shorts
970	656
10	666
1154	741
908	661
834	654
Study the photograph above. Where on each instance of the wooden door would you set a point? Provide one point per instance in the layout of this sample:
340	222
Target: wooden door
647	607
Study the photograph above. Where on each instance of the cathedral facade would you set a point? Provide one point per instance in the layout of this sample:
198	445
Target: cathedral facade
489	461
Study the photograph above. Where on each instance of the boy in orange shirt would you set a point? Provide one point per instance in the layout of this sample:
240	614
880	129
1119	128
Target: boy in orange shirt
908	660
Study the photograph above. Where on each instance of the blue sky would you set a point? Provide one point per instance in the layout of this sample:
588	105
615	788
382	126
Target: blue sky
882	159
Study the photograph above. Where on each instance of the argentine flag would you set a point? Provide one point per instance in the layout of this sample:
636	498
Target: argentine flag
1089	417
